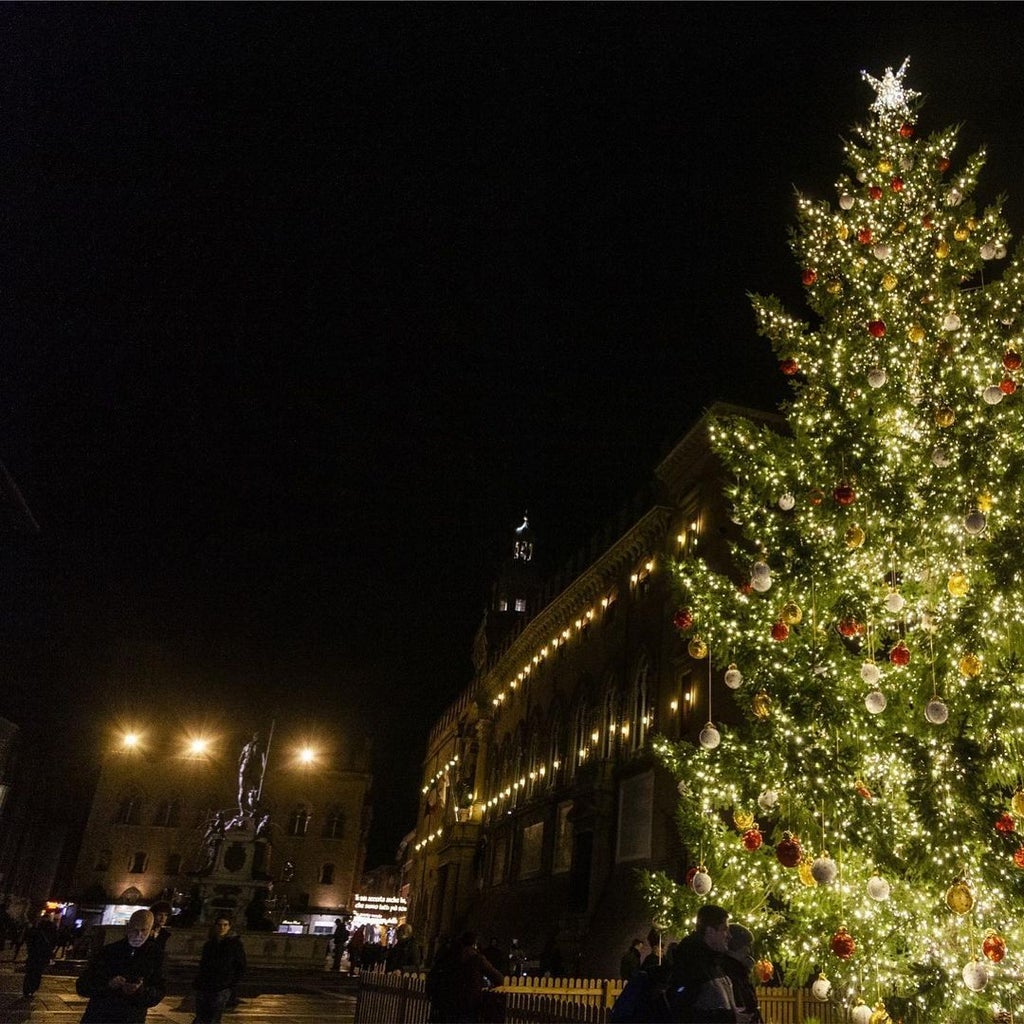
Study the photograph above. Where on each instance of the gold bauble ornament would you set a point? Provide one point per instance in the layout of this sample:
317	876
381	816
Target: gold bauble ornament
1017	803
803	871
791	613
697	648
761	705
842	232
958	584
960	233
972	224
942	249
984	502
970	665
879	1015
944	416
915	332
889	282
959	897
884	166
854	537
743	820
834	286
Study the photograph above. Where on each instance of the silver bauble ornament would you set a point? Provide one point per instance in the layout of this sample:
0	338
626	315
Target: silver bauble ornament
875	702
941	457
710	737
878	888
761	584
976	975
701	883
936	712
881	251
821	988
876	377
895	602
860	1014
767	799
824	870
988	251
787	501
951	322
733	677
993	394
974	522
760	570
846	201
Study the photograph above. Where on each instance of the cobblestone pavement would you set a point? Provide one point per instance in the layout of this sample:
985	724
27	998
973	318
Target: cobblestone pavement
268	995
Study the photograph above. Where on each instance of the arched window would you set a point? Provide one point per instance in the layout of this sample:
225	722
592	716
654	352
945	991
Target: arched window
639	706
298	821
334	823
129	809
580	735
168	814
138	863
173	864
610	724
327	874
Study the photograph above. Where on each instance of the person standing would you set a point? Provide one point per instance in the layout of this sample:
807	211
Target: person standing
700	991
125	978
40	940
738	962
473	972
221	966
339	942
161	911
631	959
403	955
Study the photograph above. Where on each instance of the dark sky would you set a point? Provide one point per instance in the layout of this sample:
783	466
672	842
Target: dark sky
302	305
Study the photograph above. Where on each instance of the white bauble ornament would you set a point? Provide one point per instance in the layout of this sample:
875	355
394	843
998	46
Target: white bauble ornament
767	799
860	1014
954	198
974	522
951	322
975	975
993	394
824	870
787	501
733	677
710	737
988	251
876	377
906	164
941	457
682	788
1000	252
870	673
894	602
875	702
878	888
881	251
701	883
761	585
760	570
822	988
846	201
936	712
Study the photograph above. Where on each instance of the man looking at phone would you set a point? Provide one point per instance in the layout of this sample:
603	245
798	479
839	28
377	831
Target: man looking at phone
124	979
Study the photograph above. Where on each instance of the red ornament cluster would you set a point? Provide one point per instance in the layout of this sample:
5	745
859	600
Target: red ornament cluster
683	619
789	852
752	839
845	494
789	367
850	627
842	944
875	192
906	131
864	236
1011	360
994	947
1005	823
809	276
897	184
780	631
876	328
900	655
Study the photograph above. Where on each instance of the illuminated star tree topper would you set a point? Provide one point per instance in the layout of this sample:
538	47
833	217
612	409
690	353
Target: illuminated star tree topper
891	95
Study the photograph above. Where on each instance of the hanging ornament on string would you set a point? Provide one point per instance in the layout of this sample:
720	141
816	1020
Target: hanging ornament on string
994	947
941	457
791	613
944	416
733	677
1008	385
683	619
842	944
697	648
878	888
765	970
976	975
1005	824
854	537
786	502
959	897
701	881
1017	802
975	522
742	819
753	839
900	655
709	737
861	1013
767	799
993	394
1018	858
958	584
821	988
849	627
844	493
935	711
805	874
824	870
1011	360
879	1015
760	577
875	701
780	631
788	851
761	705
970	665
877	377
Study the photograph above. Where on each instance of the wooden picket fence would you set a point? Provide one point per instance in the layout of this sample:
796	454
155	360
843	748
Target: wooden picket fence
400	998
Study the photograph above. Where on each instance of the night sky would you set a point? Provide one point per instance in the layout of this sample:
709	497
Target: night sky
303	305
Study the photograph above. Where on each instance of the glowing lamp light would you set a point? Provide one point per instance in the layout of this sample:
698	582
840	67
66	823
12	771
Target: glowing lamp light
130	740
198	745
307	755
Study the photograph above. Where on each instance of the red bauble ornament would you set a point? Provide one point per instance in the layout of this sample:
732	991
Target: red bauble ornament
683	619
845	494
690	872
842	944
1005	823
862	791
780	631
897	184
752	839
875	192
1007	385
943	164
809	276
816	497
789	367
994	947
907	131
876	328
850	627
900	655
1018	857
746	588
789	852
864	236
1011	360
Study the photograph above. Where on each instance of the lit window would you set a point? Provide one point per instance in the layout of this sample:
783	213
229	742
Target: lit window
520	604
138	864
298	822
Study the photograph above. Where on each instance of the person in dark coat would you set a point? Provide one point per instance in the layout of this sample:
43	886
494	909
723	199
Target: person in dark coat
40	941
221	966
339	939
738	961
700	991
403	955
473	972
124	979
161	911
631	959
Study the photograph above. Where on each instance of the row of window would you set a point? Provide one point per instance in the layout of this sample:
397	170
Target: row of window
168	815
138	864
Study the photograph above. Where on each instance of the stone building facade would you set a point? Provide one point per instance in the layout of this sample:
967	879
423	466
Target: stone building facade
541	797
159	814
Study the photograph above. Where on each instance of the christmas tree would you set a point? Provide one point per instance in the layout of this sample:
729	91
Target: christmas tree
865	813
